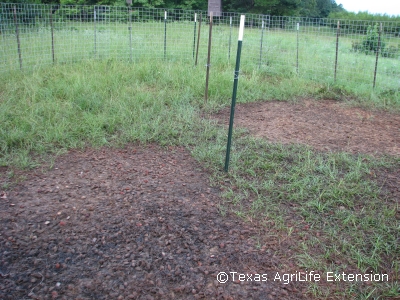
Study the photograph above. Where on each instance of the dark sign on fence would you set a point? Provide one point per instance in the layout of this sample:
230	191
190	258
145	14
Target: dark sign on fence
216	7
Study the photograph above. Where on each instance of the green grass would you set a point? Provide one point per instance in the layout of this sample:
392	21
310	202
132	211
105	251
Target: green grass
343	222
329	204
77	41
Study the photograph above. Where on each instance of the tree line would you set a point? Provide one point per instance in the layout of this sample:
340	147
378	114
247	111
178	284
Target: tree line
300	8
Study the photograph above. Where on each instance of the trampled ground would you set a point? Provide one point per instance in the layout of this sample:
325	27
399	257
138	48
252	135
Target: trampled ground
142	222
324	125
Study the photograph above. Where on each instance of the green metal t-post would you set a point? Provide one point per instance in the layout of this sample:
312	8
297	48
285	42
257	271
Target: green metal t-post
235	85
194	33
165	34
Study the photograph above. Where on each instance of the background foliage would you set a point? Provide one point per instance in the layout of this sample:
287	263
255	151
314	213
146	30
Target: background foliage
303	8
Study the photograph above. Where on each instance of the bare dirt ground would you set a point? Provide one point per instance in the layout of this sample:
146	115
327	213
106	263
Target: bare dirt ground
133	223
142	222
325	125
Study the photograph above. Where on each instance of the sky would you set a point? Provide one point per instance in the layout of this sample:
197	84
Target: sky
389	7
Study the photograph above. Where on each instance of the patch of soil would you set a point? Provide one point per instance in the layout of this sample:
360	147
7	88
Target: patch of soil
133	223
324	125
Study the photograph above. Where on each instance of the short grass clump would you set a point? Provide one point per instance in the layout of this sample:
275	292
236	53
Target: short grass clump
329	203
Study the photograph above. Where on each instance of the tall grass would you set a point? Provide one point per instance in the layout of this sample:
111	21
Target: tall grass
77	41
94	102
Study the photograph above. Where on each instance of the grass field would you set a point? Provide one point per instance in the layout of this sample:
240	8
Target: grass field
309	54
51	109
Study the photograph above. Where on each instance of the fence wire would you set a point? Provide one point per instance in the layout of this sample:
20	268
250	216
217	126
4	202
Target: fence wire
324	50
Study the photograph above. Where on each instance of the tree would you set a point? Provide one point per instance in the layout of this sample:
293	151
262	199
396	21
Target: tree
308	8
270	7
319	8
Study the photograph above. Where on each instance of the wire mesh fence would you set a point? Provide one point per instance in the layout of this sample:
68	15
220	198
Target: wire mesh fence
359	53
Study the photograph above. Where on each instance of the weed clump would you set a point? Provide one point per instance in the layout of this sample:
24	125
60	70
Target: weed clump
371	44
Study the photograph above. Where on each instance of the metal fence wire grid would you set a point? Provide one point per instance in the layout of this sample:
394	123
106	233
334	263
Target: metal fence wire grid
364	53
